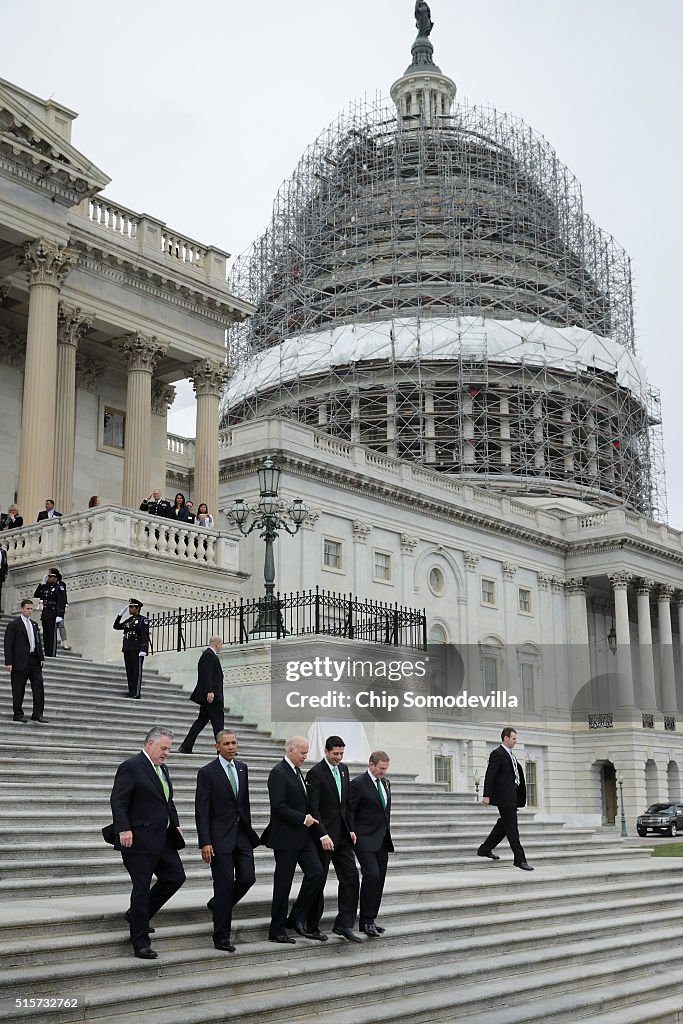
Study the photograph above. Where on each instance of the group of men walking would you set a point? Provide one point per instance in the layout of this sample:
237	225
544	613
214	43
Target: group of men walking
321	819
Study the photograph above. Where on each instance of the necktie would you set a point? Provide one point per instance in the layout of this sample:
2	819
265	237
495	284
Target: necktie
301	779
380	790
232	778
337	779
515	768
162	780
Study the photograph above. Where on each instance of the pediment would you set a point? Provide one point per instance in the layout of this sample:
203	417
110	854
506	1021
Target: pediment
38	154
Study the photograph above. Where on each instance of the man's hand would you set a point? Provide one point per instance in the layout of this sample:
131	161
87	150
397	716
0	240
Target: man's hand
310	820
353	837
8	667
207	853
209	698
126	839
42	664
327	844
485	800
124	611
141	654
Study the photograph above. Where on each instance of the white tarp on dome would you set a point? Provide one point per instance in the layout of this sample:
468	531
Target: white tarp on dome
408	340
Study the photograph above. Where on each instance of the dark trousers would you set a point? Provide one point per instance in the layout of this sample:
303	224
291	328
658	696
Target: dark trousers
344	862
233	876
214	713
373	866
133	663
285	865
18	678
49	637
145	902
505	826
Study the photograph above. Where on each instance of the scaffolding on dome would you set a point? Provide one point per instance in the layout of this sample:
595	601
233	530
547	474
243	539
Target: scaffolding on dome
396	255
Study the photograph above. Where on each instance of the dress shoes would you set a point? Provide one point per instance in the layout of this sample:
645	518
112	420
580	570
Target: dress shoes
181	750
127	917
282	937
146	953
315	933
300	928
524	866
225	945
20	718
40	719
379	928
210	905
488	854
371	930
347	933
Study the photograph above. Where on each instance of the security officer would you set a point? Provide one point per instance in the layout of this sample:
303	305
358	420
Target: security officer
52	592
135	644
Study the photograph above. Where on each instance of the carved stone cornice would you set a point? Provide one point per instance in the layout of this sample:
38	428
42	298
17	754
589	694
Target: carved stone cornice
644	586
88	373
665	592
46	262
360	531
408	543
12	349
471	560
558	585
71	325
509	571
141	352
544	580
619	580
163	396
209	377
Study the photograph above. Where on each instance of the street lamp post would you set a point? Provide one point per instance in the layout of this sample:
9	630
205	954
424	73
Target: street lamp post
477	782
267	519
620	783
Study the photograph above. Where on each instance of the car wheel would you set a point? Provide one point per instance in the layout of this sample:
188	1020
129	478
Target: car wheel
642	832
673	831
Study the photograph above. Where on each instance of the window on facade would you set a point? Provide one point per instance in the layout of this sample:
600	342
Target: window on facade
436	581
488	592
525	600
443	769
489	666
531	777
526	671
332	554
114	428
382	565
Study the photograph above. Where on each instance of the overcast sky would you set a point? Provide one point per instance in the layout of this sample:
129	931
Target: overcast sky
198	111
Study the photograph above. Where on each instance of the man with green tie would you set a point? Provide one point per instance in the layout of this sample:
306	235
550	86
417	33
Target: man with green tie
371	804
147	832
225	835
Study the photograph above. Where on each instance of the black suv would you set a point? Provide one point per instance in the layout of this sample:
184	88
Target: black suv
664	818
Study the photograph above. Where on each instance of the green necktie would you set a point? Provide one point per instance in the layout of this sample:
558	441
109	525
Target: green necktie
380	790
164	783
231	777
337	779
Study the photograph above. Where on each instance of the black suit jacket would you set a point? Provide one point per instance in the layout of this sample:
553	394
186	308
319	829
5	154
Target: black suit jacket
218	814
288	810
17	648
4	567
139	805
371	818
209	678
43	515
335	815
499	781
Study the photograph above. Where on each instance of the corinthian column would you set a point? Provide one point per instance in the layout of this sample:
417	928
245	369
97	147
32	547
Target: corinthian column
626	697
648	700
47	264
208	379
71	326
666	652
141	355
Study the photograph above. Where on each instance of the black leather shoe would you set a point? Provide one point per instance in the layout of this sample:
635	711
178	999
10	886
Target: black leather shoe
40	719
300	929
227	946
282	937
347	933
127	917
20	718
315	933
379	929
181	750
147	953
371	930
487	853
210	904
524	866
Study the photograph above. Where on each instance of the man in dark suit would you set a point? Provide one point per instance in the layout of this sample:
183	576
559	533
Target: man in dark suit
49	511
226	838
290	835
329	790
505	787
4	569
371	804
208	693
135	644
24	659
52	592
147	832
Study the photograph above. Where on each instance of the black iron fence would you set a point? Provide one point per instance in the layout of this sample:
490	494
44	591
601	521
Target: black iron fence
301	614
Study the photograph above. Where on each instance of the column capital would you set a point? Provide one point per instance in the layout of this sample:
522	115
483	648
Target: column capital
576	585
360	531
209	377
665	592
88	373
509	571
471	560
141	352
644	586
619	580
12	349
72	323
163	395
408	543
46	262
544	580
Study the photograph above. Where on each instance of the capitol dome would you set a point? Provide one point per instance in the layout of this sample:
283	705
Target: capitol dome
430	286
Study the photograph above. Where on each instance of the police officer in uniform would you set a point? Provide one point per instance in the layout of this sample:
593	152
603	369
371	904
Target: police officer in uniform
135	644
52	592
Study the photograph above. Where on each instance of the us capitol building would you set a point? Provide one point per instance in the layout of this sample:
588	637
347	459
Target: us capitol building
435	344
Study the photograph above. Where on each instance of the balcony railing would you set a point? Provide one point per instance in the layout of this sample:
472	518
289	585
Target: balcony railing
309	613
